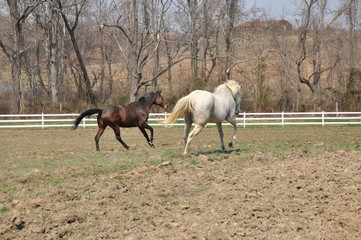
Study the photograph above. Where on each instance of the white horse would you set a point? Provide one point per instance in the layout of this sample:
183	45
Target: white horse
201	107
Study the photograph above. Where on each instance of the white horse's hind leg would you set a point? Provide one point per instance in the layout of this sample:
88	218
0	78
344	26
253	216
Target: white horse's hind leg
197	129
220	133
234	123
187	128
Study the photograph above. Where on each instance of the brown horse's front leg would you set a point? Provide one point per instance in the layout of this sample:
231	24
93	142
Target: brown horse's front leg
117	136
151	131
150	142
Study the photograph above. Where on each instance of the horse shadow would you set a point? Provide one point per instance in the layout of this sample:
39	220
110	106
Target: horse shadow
220	152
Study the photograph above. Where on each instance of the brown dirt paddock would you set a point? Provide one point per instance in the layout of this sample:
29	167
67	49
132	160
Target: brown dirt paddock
277	183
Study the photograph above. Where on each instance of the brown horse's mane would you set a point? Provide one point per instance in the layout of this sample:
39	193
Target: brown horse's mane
141	99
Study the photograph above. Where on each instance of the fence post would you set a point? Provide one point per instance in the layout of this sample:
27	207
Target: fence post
283	119
336	109
83	122
42	120
323	118
244	119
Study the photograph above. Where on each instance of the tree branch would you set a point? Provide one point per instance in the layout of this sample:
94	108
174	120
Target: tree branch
28	10
7	54
247	60
121	29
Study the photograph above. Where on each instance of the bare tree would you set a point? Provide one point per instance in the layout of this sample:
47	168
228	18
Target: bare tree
188	15
159	22
47	18
351	13
141	44
102	11
210	35
71	30
15	54
315	29
352	81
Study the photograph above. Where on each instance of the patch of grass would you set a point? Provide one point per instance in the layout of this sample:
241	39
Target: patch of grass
29	193
101	205
119	178
203	186
191	161
154	162
68	231
7	189
54	181
80	175
145	204
134	210
4	209
175	203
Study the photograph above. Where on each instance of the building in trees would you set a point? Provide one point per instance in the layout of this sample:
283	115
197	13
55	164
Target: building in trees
281	25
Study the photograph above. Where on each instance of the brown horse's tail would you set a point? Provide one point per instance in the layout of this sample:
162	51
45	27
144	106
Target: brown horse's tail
84	114
183	105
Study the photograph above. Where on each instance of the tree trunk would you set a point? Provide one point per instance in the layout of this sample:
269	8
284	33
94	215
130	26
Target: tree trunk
53	43
192	5
102	68
205	44
169	61
156	67
88	89
135	75
16	93
231	13
63	85
110	74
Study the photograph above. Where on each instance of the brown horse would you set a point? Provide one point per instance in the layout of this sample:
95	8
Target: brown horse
134	114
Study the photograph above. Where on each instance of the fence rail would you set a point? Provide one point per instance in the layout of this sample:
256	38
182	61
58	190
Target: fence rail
244	119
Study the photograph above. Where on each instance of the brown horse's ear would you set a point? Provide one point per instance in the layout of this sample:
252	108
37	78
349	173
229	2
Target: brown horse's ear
159	91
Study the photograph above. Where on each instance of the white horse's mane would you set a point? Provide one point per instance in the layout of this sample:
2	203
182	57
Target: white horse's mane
232	85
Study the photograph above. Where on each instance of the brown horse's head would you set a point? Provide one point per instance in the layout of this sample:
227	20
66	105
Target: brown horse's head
159	100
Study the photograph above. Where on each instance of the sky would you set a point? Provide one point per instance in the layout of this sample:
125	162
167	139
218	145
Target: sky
283	9
277	8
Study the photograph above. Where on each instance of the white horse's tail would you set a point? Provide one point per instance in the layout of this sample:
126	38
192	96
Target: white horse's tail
183	105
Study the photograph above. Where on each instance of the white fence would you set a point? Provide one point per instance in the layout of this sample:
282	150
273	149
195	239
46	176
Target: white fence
244	119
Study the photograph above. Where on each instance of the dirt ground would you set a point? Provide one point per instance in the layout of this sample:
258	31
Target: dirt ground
277	183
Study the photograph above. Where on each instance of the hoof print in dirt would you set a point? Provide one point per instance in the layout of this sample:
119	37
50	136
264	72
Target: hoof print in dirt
18	223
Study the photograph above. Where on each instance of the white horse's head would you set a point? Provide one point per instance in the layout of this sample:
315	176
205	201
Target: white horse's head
234	87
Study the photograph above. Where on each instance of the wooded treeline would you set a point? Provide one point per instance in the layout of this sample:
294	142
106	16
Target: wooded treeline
82	53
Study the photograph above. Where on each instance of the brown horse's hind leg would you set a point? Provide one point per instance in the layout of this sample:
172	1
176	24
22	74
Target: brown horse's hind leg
99	134
117	136
150	142
101	128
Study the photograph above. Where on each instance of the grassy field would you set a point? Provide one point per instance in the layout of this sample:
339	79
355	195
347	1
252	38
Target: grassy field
49	149
53	184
